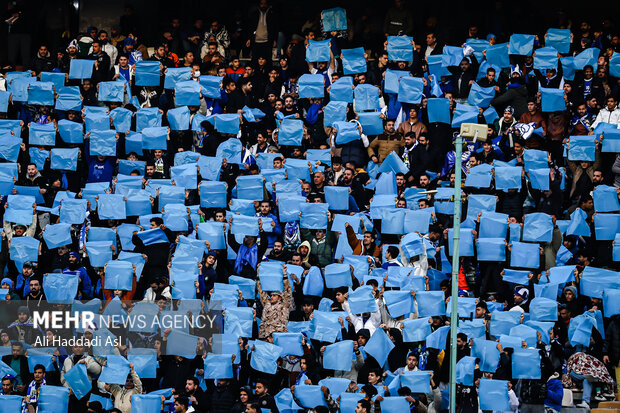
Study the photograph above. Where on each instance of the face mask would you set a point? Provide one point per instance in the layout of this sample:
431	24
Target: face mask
196	74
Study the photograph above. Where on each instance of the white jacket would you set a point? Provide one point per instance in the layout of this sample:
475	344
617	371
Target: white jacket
132	71
606	116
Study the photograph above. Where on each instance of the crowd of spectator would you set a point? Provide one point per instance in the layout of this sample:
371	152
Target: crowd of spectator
208	174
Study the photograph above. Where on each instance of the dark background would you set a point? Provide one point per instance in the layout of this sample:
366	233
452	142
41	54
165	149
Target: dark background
48	19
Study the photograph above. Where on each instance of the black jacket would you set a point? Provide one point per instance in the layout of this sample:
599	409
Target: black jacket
424	158
461	89
611	345
42	64
515	97
101	73
24	372
596	88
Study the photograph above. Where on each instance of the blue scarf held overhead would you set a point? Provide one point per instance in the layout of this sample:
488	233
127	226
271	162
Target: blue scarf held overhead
246	256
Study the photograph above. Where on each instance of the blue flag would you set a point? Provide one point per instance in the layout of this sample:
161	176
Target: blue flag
68	98
42	135
559	39
410	89
318	51
187	93
366	97
379	346
211	86
81	69
338	356
400	49
581	148
438	110
175	75
311	86
552	100
291	132
147	73
353	61
112	91
546	58
521	44
41	93
493	394
53	399
334	19
480	96
342	90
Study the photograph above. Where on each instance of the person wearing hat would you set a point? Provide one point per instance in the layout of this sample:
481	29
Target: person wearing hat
504	128
11	301
245	394
8	386
122	393
208	274
276	307
574	302
7	284
72	49
134	55
19	230
521	299
22	329
515	95
76	267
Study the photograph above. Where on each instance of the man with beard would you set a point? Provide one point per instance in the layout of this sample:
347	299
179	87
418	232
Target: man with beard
390	140
424	181
23	328
128	48
72	49
107	48
36	297
33	178
43	61
424	157
59	261
581	123
19	363
101	70
75	267
278	253
350	179
159	287
366	246
276	230
196	395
